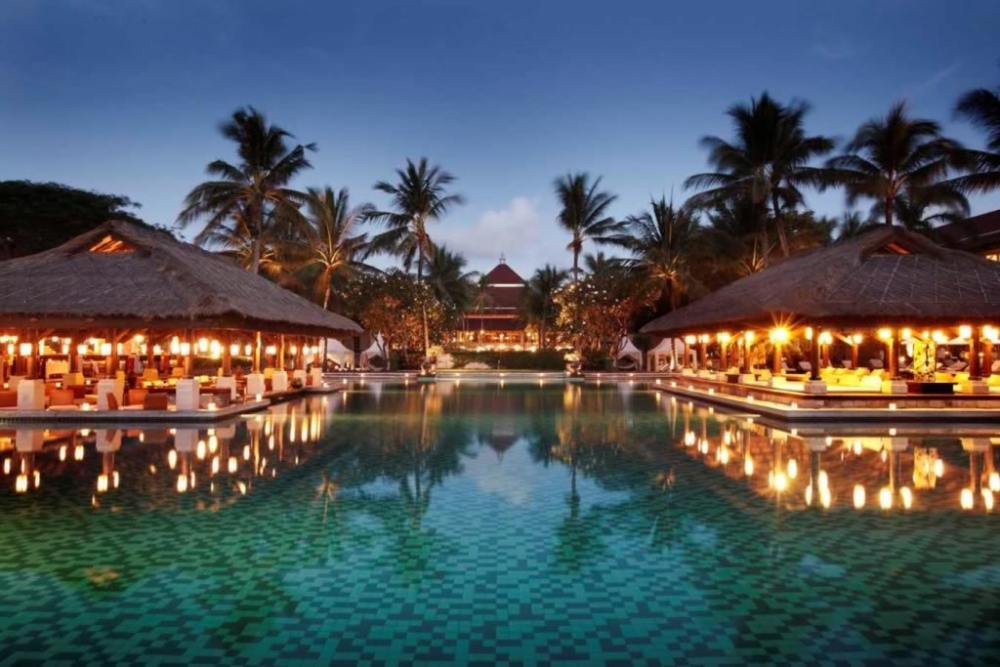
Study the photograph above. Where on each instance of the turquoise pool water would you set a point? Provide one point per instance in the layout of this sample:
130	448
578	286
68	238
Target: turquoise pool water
484	523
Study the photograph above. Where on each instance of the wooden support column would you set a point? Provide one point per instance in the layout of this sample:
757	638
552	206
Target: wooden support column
113	368
987	367
814	356
776	361
702	353
746	367
974	345
854	353
150	355
189	358
256	353
892	359
227	354
281	353
34	367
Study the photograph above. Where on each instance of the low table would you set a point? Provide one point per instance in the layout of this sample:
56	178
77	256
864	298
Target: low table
937	388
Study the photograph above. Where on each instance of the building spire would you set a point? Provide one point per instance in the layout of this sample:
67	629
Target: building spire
503	258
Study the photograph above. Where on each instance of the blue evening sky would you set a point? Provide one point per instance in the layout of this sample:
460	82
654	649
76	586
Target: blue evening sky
125	96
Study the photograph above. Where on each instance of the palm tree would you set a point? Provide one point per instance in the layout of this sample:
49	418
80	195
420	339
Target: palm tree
584	213
451	285
539	306
768	162
253	188
982	108
418	197
276	249
333	244
892	157
660	240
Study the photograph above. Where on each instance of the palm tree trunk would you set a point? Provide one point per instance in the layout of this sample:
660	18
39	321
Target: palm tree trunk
257	218
888	209
779	223
423	306
326	297
764	239
541	333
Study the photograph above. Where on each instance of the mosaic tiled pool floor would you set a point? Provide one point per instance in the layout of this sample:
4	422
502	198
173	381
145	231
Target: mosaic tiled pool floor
480	525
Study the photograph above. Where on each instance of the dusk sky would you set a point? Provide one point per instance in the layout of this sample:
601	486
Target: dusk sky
126	97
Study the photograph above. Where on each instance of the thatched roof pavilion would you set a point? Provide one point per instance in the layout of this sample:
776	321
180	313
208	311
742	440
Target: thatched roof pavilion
888	278
125	275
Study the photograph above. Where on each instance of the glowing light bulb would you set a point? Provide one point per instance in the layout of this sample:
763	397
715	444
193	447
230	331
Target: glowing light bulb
988	500
200	450
859	496
965	499
233	464
182	483
172	458
938	468
215	465
102	483
78	453
885	498
62	452
689	438
906	495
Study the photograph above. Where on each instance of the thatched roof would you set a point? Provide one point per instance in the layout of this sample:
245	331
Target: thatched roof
885	276
126	275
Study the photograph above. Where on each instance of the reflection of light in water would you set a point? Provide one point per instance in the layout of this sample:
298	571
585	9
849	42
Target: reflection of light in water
213	443
995	481
246	452
102	483
809	494
857	448
200	450
907	496
242	487
988	500
21	483
182	483
78	453
780	481
885	498
965	499
793	468
748	466
62	452
233	463
824	497
723	455
172	458
703	446
689	438
6	466
859	496
938	468
270	442
215	465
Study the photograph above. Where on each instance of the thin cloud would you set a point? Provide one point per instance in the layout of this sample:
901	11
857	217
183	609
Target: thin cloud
835	49
496	232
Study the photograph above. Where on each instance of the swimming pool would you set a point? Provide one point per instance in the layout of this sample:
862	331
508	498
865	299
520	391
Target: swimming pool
476	523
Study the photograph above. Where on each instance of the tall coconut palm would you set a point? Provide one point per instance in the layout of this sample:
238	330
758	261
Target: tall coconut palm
982	108
661	241
333	244
418	197
539	306
768	162
451	284
584	213
254	187
894	156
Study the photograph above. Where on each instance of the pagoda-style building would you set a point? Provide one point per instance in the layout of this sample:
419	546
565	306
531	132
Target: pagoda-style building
494	322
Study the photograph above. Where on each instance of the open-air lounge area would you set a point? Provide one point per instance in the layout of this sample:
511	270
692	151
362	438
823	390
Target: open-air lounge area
888	318
125	322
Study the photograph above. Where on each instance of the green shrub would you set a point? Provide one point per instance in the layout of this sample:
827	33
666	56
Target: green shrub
542	360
